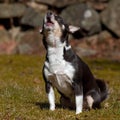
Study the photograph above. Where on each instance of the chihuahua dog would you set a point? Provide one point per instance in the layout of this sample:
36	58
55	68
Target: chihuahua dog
65	71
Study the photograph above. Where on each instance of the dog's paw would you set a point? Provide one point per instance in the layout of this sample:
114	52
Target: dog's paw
78	112
52	108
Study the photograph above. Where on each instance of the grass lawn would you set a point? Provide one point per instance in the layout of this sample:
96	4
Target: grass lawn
22	93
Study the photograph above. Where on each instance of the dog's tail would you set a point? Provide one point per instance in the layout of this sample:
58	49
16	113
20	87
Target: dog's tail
103	88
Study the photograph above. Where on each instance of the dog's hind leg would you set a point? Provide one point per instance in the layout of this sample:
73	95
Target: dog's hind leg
78	97
93	99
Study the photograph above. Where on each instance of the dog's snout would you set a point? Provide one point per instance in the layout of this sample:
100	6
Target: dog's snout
49	14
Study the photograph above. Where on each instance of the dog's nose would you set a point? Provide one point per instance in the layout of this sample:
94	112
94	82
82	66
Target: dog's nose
49	14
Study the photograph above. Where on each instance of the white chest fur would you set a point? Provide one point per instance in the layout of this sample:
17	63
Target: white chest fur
58	71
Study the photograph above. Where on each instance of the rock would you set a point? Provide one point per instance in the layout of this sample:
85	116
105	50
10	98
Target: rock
14	32
8	47
103	36
115	55
2	27
34	5
33	17
85	52
82	48
24	49
98	39
92	41
7	1
99	1
12	10
59	3
99	4
4	35
84	16
111	17
30	43
7	44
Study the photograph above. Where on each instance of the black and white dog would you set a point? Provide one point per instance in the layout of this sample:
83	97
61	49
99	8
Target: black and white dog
64	70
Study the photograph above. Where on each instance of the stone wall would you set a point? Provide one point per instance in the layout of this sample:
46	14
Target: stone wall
20	21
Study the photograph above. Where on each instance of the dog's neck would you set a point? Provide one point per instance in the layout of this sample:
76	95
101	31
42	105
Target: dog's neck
55	49
53	40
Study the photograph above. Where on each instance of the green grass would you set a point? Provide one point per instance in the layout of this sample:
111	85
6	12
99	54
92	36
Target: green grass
22	93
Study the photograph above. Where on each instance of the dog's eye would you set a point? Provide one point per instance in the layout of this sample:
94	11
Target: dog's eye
56	17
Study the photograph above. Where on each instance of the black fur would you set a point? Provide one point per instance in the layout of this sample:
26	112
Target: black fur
83	80
83	76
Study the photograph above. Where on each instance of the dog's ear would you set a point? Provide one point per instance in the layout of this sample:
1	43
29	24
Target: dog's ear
73	29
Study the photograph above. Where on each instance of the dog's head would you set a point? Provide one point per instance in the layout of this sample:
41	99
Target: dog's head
54	23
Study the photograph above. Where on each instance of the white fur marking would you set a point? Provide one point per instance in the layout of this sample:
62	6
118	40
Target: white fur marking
58	71
67	47
90	101
79	103
40	30
51	99
63	27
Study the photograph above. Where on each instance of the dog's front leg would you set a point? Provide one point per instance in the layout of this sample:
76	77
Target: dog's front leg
51	96
78	98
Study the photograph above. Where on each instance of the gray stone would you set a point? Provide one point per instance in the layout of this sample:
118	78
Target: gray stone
30	43
24	49
98	4
4	35
12	10
59	3
7	44
37	6
83	16
33	17
103	36
85	52
14	32
111	17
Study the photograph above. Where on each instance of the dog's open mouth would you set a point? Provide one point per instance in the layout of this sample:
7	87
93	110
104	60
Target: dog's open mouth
49	22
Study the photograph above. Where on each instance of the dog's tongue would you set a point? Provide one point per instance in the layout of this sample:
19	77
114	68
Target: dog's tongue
49	23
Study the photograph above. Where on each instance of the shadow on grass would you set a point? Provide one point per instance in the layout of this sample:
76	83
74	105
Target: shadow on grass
46	105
